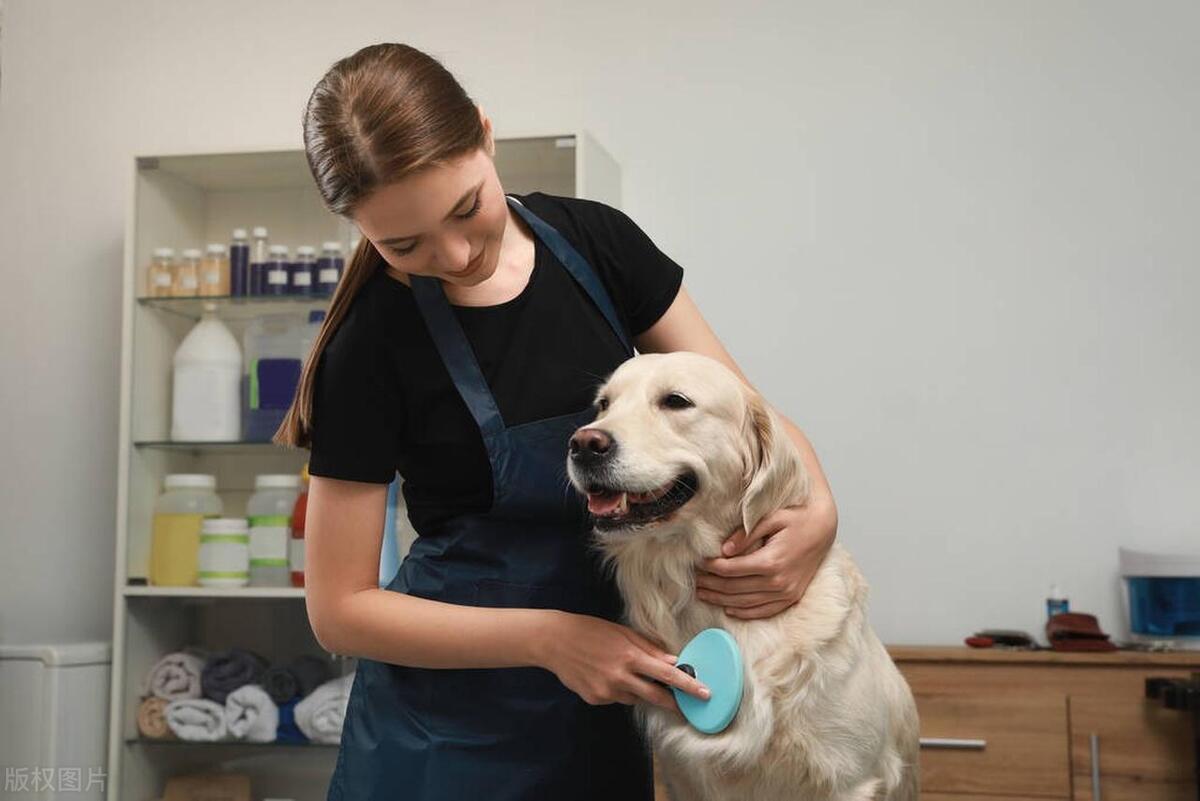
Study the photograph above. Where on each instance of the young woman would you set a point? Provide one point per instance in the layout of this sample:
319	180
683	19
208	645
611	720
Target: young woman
462	348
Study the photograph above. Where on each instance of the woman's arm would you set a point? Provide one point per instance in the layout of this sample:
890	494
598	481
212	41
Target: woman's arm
795	539
350	614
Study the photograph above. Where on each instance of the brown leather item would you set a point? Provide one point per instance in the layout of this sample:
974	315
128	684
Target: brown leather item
1077	631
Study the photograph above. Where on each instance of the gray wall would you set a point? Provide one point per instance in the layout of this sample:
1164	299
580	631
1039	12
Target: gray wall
955	241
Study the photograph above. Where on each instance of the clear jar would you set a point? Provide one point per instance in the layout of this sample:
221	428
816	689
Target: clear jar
214	272
179	514
303	270
224	559
278	276
329	268
270	513
187	275
160	277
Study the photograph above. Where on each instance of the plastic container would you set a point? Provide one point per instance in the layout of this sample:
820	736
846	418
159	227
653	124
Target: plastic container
160	277
259	253
1162	593
179	513
187	275
304	270
214	272
273	344
205	401
296	544
277	272
270	514
239	264
1056	602
224	557
329	268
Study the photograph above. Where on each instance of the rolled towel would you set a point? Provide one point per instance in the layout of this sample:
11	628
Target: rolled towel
311	672
288	731
321	713
280	683
251	715
176	675
299	677
197	720
228	670
152	721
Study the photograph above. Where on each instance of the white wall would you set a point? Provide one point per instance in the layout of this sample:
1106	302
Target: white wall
956	242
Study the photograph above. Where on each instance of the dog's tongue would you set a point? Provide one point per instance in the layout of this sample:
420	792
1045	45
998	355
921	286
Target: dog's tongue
605	503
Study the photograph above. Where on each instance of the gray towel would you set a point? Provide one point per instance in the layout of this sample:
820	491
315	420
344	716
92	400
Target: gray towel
298	678
229	670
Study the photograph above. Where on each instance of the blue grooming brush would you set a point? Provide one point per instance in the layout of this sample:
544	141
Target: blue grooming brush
713	657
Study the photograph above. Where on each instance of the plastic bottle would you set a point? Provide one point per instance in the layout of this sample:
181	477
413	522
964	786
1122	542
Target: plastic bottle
206	385
303	269
329	268
239	264
270	513
296	545
273	343
1056	602
214	272
179	514
187	275
259	253
160	277
277	272
224	556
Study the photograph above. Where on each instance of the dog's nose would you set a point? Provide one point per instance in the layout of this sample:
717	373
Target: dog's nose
590	444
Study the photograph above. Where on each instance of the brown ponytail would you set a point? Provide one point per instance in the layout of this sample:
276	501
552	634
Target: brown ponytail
376	116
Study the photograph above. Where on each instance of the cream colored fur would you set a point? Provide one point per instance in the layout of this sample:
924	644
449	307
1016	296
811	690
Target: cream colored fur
825	714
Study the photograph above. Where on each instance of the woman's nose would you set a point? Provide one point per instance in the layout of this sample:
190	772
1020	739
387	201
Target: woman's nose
454	255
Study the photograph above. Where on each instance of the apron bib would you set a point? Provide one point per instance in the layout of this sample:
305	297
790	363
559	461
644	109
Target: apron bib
498	734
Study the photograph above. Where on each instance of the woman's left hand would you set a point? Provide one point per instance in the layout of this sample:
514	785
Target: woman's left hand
762	574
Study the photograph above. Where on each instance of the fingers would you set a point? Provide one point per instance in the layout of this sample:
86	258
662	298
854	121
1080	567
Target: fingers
652	693
762	562
674	677
739	601
759	612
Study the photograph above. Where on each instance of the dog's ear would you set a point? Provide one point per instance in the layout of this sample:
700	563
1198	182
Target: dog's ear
775	475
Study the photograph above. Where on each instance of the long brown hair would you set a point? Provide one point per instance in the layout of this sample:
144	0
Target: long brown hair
376	116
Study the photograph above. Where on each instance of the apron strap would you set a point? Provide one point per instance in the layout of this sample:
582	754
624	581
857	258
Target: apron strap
452	343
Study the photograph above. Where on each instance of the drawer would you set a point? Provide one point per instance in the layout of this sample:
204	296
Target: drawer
979	797
1008	745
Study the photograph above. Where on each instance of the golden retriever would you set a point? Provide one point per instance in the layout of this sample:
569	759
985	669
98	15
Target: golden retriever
681	453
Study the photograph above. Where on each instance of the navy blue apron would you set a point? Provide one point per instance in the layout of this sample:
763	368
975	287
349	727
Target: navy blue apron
498	734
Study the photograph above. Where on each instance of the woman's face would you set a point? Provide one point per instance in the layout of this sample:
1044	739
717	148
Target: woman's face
446	222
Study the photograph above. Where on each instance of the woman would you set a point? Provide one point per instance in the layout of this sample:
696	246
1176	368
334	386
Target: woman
462	348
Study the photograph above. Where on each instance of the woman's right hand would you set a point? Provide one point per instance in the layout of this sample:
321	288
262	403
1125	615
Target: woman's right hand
605	662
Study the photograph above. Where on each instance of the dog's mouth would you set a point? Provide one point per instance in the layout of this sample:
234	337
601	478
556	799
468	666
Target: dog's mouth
615	508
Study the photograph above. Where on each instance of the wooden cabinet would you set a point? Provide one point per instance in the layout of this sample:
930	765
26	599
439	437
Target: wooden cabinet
1011	725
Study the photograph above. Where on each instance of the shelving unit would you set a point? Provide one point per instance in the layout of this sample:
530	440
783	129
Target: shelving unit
184	201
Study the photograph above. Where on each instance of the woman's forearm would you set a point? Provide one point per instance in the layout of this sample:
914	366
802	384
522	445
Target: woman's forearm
821	491
403	629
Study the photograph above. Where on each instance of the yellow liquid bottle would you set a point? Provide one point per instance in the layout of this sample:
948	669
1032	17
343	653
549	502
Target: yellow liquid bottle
174	549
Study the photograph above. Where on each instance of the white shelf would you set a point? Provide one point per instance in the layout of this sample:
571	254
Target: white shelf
143	591
188	200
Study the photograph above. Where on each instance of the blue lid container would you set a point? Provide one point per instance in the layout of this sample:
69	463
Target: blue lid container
1163	596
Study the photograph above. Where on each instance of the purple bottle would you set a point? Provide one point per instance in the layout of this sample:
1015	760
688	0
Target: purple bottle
259	254
276	274
304	270
329	268
239	264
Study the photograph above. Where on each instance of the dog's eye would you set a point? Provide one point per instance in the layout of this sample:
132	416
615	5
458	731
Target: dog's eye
675	400
602	404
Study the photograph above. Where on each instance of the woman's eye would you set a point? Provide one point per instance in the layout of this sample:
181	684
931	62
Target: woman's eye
675	400
403	251
474	210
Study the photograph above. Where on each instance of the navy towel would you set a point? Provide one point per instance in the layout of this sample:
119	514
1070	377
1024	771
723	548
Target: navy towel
226	671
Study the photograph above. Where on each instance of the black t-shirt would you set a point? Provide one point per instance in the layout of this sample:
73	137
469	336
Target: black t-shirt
384	402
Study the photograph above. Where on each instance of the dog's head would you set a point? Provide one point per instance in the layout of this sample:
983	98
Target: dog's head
678	436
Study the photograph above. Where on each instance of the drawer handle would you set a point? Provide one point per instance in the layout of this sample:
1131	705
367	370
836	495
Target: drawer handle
954	743
1094	746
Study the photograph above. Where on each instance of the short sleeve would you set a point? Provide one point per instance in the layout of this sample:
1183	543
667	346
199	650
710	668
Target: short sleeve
643	280
357	411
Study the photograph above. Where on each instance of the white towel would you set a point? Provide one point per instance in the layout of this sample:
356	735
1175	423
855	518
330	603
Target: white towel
175	676
320	713
197	719
251	715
